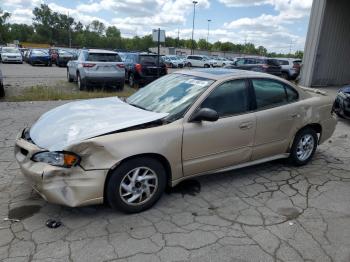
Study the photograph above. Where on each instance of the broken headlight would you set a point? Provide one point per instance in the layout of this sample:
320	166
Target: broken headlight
61	159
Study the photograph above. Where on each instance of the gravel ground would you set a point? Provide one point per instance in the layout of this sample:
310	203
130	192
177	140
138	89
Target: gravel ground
270	212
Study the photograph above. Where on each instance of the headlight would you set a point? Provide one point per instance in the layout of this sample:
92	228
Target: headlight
61	159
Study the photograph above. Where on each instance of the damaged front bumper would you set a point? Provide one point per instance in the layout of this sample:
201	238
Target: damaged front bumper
65	186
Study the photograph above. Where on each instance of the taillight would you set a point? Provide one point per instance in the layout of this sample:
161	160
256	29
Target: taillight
138	68
120	65
88	65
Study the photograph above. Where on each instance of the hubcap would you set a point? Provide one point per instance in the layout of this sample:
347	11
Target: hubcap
305	147
138	186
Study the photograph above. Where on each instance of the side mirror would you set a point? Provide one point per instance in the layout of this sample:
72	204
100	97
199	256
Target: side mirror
205	114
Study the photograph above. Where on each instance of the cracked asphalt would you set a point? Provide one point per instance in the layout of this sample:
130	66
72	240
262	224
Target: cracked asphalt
270	212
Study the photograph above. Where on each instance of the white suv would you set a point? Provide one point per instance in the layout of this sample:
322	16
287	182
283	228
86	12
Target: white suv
199	61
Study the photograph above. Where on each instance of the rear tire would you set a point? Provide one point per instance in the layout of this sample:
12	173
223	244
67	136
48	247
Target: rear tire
81	83
136	185
206	66
131	79
2	91
304	147
69	78
285	76
189	64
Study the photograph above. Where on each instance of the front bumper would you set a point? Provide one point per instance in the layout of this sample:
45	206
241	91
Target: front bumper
64	186
12	59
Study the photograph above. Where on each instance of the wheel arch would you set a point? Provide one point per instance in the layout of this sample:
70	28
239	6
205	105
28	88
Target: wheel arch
314	126
156	156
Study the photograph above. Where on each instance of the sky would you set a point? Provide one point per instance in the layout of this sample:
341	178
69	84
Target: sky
279	25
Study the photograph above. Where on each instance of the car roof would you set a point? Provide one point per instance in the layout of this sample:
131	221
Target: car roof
101	51
223	73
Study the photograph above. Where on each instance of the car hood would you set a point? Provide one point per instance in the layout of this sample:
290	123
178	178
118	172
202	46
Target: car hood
345	89
74	122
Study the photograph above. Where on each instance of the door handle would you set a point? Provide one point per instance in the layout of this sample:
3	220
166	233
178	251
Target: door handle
246	125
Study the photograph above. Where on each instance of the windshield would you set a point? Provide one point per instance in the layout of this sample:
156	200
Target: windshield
172	94
38	52
10	50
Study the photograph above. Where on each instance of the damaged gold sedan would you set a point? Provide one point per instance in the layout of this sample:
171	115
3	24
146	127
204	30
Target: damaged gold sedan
185	124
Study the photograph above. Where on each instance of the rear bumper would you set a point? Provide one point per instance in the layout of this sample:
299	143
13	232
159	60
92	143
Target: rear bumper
105	80
64	186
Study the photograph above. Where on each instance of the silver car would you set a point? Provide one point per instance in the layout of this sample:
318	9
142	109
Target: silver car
11	55
97	67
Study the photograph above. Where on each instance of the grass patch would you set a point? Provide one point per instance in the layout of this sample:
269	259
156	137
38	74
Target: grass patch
46	93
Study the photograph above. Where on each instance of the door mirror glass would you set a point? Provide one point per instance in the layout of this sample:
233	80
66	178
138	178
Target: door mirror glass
205	114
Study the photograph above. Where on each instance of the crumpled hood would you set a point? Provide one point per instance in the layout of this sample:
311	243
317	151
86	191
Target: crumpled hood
73	122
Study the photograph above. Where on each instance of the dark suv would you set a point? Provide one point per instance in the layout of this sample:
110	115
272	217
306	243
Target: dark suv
142	69
259	64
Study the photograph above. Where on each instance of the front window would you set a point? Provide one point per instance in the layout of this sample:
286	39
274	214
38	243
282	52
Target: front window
10	50
38	52
172	94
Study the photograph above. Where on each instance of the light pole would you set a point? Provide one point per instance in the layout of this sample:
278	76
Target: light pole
209	20
194	14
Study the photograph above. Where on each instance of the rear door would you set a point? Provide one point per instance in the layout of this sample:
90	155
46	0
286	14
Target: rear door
277	115
105	64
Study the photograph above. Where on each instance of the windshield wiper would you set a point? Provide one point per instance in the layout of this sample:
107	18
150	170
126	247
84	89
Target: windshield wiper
138	106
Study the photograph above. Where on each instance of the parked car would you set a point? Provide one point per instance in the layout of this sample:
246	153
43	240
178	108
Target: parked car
53	53
200	61
11	55
95	67
38	56
141	68
173	61
222	61
258	64
2	89
63	57
185	124
342	102
290	67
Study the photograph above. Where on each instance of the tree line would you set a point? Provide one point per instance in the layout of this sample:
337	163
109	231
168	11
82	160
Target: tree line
58	29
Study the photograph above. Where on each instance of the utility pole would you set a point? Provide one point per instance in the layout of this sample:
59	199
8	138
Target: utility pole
69	33
209	20
178	37
194	14
290	46
158	73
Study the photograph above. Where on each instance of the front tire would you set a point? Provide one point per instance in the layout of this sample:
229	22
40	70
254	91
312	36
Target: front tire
136	185
69	78
304	147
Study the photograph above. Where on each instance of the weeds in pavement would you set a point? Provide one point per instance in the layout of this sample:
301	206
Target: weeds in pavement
45	93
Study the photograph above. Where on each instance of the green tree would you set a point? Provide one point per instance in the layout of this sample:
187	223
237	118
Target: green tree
4	26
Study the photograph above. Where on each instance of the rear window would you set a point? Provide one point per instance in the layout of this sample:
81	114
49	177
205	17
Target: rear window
297	62
103	57
149	59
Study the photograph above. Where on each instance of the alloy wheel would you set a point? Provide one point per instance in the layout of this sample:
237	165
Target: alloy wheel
305	147
138	186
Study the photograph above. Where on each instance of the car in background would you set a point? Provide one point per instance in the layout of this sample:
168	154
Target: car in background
142	69
39	56
200	61
95	67
2	89
183	125
63	57
11	55
173	61
290	67
222	61
342	102
258	64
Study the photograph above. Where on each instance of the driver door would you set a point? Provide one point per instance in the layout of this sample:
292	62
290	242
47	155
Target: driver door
210	146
